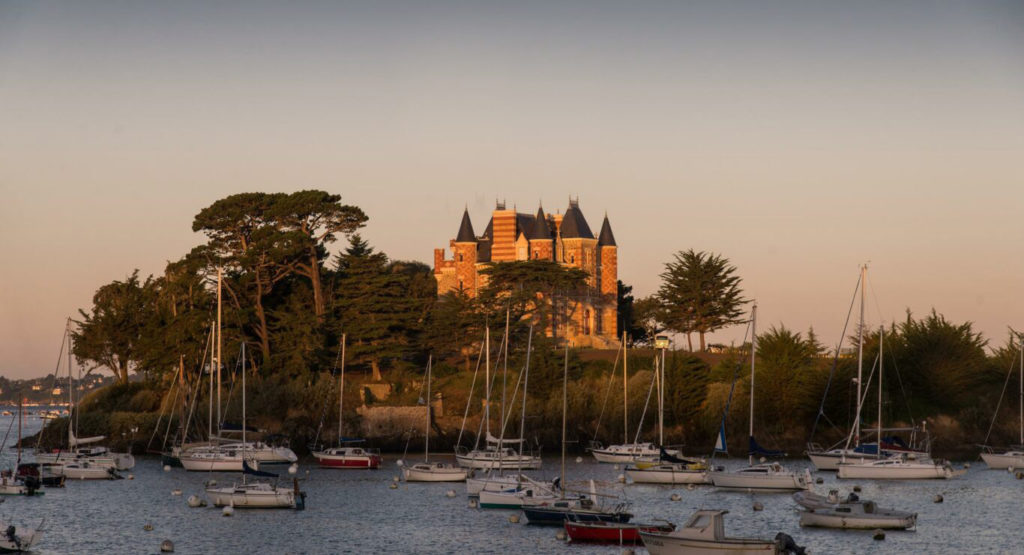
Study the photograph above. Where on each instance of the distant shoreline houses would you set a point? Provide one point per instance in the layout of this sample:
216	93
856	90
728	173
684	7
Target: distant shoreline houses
587	319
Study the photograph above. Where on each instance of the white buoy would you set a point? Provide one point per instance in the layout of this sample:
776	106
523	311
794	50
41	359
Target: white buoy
167	546
628	551
472	503
879	534
615	467
394	478
228	510
579	459
967	465
400	462
560	535
293	468
194	501
758	506
691	487
167	468
148	527
394	485
622	478
763	460
211	484
450	493
176	492
937	498
514	519
675	497
131	476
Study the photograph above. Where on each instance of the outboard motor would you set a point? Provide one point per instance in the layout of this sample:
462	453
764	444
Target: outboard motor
787	544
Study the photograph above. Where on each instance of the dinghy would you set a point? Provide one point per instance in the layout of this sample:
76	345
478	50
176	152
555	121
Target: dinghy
851	513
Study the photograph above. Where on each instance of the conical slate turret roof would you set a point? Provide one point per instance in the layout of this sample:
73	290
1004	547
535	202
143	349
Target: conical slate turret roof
540	230
466	234
574	225
606	238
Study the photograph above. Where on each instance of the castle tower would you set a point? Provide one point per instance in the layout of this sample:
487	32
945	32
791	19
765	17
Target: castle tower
608	274
541	241
464	252
503	246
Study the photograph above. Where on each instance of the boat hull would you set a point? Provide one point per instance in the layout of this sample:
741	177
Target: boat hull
87	473
500	500
668	476
333	461
1003	461
546	516
780	483
488	463
275	499
233	464
665	544
917	472
499	483
434	475
610	532
819	519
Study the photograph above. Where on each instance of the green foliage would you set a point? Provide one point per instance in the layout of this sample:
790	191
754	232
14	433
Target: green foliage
700	293
109	336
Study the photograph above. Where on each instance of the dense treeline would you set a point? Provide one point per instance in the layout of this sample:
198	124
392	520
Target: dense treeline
291	301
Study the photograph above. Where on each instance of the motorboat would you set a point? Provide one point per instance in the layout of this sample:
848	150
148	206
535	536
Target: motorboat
18	540
704	533
348	457
257	495
621	533
850	513
765	477
897	468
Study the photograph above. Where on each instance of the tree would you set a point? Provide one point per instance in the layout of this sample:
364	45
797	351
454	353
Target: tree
317	217
700	293
109	335
787	368
535	289
627	317
649	315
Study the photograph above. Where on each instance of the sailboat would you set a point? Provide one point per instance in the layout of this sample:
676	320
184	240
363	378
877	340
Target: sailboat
28	479
864	451
555	510
19	540
77	462
427	471
219	453
627	452
1013	457
497	453
257	494
896	467
346	454
766	477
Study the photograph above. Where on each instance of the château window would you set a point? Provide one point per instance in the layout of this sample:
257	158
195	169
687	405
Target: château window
460	257
572	259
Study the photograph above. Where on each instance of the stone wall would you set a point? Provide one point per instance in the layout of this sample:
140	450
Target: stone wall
390	422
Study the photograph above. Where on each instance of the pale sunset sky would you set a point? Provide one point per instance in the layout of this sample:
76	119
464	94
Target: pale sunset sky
798	139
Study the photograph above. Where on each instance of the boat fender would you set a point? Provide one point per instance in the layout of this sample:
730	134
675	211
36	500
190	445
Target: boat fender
787	544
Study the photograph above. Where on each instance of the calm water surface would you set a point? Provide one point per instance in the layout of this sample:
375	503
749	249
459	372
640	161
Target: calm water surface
351	511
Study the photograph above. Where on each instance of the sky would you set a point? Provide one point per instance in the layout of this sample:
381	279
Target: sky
797	139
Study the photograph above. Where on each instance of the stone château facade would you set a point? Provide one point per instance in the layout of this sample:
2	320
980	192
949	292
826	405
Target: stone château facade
587	319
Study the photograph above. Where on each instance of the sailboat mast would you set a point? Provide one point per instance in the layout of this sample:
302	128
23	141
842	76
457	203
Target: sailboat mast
860	354
341	389
881	364
20	398
219	344
753	357
565	403
244	424
71	390
209	425
625	389
487	382
426	440
526	383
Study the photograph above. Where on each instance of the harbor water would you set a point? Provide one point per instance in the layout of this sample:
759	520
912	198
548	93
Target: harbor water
356	511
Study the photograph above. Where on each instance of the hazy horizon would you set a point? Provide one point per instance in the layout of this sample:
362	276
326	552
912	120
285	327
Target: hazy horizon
799	140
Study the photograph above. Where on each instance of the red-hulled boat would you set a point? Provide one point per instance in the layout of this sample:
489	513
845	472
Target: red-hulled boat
612	532
348	457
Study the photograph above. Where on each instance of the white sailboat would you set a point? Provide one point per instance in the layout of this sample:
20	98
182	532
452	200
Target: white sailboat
896	467
861	451
1013	457
770	477
345	454
427	471
498	453
258	494
704	534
